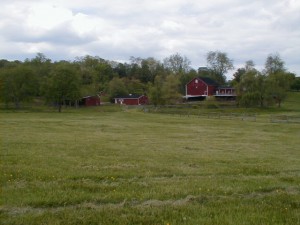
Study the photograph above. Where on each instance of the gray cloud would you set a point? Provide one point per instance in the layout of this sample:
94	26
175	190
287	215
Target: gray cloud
116	30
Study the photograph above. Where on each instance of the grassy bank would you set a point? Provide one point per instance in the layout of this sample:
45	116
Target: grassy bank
109	166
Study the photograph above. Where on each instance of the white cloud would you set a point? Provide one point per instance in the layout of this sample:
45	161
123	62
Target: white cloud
117	29
46	17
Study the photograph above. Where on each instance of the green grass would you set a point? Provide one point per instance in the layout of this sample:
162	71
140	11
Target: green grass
107	166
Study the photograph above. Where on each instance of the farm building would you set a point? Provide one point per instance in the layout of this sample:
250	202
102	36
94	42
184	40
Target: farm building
90	101
201	87
132	100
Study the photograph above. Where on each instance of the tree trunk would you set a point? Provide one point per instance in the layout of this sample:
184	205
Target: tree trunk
17	104
59	107
279	103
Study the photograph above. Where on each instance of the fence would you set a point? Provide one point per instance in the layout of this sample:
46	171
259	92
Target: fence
284	119
184	112
190	111
224	116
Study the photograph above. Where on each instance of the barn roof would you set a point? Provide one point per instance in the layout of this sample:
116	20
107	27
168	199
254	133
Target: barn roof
206	80
209	81
91	96
225	87
131	96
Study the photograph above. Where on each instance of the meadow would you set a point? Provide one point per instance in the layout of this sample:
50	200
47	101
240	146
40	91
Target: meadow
106	165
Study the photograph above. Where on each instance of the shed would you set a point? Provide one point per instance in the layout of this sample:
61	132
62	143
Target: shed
131	100
90	101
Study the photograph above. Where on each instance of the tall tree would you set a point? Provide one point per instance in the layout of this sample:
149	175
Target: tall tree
274	64
150	67
219	64
238	75
18	84
278	84
156	91
295	83
278	79
171	90
63	84
177	63
117	87
251	89
249	66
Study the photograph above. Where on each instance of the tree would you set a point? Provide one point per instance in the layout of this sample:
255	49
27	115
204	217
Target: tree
238	75
156	91
296	84
219	64
249	66
251	90
18	84
134	86
149	69
177	64
278	84
41	66
121	69
274	64
278	79
117	87
170	90
63	84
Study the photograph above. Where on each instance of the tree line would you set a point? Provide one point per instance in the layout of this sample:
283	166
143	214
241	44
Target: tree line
164	82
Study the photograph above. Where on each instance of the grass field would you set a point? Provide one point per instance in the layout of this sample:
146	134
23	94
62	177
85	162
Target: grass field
108	166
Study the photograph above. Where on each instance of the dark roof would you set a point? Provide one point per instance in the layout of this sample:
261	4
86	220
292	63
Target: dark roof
209	81
91	96
130	96
225	87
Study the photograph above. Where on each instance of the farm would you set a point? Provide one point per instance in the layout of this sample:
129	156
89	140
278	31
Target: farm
104	165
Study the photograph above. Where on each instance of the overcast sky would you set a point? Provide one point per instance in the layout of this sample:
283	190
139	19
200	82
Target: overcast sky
118	29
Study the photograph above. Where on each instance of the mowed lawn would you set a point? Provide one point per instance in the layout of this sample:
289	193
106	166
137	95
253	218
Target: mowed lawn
91	166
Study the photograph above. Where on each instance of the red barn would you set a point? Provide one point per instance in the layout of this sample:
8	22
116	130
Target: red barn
90	101
132	100
200	87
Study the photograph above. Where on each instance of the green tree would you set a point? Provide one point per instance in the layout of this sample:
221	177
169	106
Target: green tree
63	84
278	79
177	64
117	87
219	64
17	84
274	64
134	86
238	75
171	90
95	73
251	89
296	84
278	84
41	66
249	66
156	91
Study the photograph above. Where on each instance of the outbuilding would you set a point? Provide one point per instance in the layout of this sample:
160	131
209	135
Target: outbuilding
132	100
90	101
